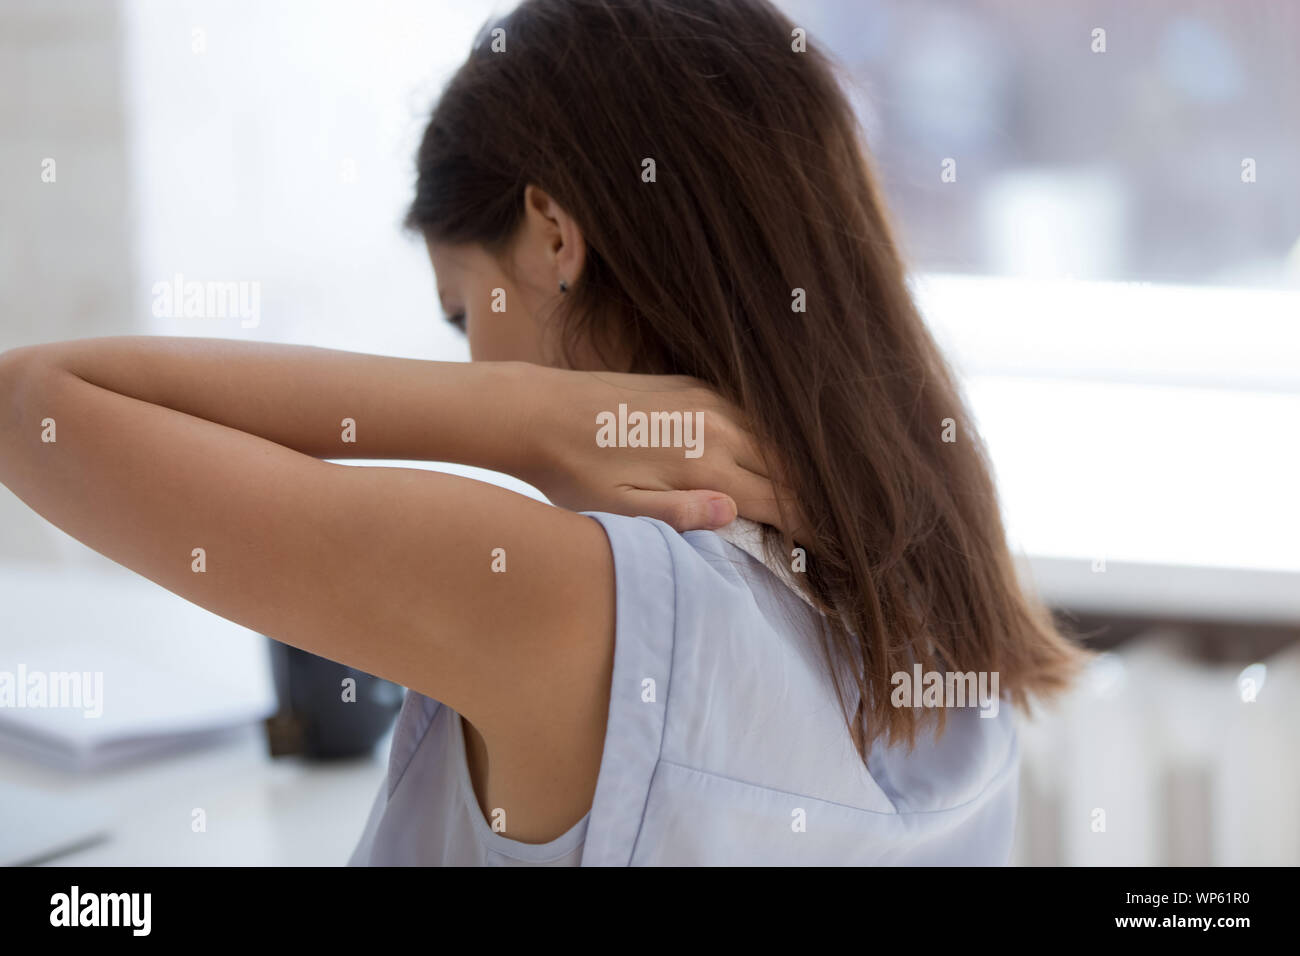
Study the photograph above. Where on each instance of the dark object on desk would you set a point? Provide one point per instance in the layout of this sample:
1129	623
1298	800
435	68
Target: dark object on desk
322	717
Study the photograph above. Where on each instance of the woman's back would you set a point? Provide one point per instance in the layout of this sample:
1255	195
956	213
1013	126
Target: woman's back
724	745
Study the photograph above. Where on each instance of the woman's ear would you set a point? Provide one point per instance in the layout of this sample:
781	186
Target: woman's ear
555	250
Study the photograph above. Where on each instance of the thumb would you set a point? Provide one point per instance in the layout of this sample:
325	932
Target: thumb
685	510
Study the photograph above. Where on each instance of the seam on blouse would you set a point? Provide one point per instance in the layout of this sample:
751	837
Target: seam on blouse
1008	764
796	635
416	743
881	778
663	726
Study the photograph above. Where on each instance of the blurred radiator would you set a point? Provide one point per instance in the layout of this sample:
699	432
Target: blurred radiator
1160	759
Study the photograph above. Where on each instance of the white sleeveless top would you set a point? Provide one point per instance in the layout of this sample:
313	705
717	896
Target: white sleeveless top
724	746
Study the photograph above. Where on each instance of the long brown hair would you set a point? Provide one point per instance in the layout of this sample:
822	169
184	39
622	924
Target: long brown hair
760	188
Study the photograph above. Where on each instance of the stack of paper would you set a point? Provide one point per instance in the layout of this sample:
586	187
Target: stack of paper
100	666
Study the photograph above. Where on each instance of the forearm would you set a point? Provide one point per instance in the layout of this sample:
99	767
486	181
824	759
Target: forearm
301	397
90	430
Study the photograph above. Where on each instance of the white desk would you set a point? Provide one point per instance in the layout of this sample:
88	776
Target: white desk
1150	426
1189	498
260	812
166	665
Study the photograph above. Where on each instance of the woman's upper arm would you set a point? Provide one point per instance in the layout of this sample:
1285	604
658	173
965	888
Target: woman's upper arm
496	604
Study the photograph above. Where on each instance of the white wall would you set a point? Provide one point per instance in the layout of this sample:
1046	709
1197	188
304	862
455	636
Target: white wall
66	245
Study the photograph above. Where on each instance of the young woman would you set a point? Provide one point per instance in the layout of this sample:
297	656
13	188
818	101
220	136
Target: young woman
656	225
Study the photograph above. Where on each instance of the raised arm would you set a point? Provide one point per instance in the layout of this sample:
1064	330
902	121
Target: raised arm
149	452
299	397
197	463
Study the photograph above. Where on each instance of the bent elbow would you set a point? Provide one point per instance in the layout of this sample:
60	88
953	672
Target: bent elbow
16	371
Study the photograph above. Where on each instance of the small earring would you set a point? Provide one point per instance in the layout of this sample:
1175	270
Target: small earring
564	286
